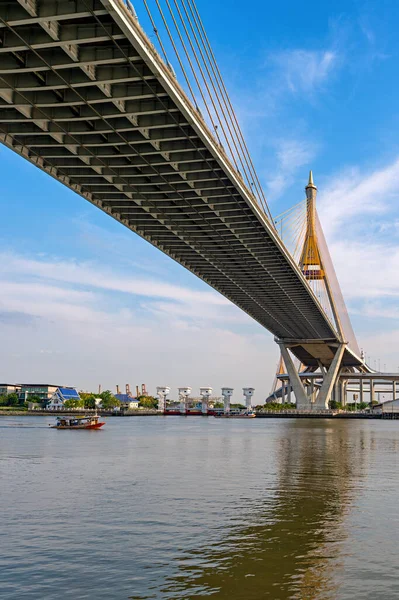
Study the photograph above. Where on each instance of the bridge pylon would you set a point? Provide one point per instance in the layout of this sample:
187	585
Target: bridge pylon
312	257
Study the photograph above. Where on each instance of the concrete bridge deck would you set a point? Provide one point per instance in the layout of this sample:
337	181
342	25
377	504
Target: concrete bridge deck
85	97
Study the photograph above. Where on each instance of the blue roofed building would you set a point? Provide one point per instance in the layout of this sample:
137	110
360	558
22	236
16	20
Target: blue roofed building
127	401
60	396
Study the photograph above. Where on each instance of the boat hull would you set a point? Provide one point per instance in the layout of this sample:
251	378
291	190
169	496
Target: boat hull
234	416
95	426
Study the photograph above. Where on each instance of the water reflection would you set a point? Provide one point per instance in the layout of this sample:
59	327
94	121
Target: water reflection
290	544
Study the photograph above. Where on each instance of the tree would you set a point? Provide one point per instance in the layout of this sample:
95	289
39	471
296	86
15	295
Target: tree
9	400
148	402
89	400
73	403
35	399
334	405
110	403
3	400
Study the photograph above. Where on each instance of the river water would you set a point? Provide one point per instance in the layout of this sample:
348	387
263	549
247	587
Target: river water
174	507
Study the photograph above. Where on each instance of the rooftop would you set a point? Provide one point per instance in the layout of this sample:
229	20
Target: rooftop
125	398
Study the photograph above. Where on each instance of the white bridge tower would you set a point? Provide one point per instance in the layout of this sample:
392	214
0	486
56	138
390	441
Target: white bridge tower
248	393
227	394
162	392
184	393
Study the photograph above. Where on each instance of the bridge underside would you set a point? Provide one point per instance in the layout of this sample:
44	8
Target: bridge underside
85	97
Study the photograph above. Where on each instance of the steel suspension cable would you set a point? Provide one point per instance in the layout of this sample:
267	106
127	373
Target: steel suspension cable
241	155
205	82
177	54
156	32
223	118
192	67
207	44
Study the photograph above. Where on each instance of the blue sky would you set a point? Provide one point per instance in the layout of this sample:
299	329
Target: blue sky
84	301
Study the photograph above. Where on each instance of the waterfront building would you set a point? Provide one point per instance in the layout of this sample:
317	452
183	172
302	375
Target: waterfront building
60	396
127	402
390	406
44	391
9	388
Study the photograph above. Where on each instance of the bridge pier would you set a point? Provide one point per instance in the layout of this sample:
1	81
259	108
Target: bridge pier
294	380
306	395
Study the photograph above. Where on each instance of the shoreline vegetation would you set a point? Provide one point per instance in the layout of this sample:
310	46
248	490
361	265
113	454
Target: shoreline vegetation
87	401
12	405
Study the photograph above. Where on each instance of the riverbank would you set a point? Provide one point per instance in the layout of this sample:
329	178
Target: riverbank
292	414
47	413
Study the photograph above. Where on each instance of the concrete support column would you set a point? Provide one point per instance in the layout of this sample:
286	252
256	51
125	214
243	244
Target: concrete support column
248	393
162	393
183	395
312	392
336	391
227	394
372	395
330	379
343	392
393	390
361	390
302	402
282	391
205	393
288	392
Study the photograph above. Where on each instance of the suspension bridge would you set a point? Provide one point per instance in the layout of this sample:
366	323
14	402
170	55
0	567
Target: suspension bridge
89	98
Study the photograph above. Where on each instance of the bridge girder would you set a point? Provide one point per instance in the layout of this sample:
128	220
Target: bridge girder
85	97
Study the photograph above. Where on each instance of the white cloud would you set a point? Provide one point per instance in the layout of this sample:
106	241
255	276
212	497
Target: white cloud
358	213
304	71
291	155
69	323
89	275
353	193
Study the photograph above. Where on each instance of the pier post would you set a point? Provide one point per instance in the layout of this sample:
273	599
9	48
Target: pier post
227	394
329	379
183	395
372	395
312	398
288	392
205	393
302	401
248	393
162	393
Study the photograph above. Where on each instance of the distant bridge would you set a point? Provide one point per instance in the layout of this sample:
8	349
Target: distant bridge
86	97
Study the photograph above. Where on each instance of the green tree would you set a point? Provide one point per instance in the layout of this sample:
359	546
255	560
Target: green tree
89	400
148	402
3	400
35	399
73	403
110	403
9	400
334	405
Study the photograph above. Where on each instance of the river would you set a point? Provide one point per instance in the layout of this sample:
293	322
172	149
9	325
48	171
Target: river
192	507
